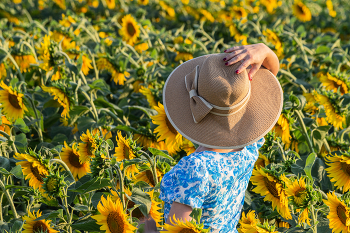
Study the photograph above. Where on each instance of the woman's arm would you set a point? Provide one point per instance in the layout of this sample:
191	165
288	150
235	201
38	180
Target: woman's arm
180	211
254	55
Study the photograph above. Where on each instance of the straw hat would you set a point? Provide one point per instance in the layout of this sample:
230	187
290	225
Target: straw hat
211	105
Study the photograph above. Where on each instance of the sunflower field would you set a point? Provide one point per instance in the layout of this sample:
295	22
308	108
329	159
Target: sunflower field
84	139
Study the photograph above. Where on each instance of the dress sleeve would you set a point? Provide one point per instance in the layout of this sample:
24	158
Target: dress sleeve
256	145
260	142
186	183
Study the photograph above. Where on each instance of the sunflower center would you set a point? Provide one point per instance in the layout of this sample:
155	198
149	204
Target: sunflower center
136	213
300	196
341	212
126	152
187	230
115	222
271	186
74	160
300	9
170	126
346	168
40	227
150	177
37	174
14	101
131	29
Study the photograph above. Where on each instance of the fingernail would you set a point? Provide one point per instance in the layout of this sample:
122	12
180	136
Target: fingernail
225	51
237	71
226	63
224	59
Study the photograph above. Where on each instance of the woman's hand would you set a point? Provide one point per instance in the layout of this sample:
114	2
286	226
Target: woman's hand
254	55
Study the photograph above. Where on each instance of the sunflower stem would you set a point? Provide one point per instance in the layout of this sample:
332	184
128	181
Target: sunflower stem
1	217
37	118
91	103
165	51
282	151
153	167
9	198
64	165
65	202
304	131
93	63
121	185
314	220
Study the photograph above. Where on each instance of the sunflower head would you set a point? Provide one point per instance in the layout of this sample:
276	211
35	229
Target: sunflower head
87	148
301	11
125	149
31	225
11	102
130	30
184	226
339	212
53	184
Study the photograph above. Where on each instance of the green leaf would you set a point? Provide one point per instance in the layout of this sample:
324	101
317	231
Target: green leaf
150	112
59	138
17	226
139	197
196	214
318	136
101	85
80	207
21	142
4	171
51	215
96	198
17	172
52	103
80	62
19	124
162	153
94	184
323	49
308	165
89	225
77	112
5	163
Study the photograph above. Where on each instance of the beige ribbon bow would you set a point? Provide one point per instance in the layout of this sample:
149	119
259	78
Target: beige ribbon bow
199	106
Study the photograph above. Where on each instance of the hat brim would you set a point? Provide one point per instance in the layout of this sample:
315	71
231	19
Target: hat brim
247	126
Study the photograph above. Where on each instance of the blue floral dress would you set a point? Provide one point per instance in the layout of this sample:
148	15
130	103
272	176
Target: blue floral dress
215	182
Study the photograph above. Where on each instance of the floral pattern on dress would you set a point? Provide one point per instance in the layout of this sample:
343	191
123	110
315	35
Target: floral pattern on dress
215	182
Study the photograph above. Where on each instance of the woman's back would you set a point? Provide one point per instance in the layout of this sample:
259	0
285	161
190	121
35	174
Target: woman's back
215	182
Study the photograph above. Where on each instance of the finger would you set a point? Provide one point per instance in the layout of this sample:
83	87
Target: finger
253	70
235	59
233	48
244	65
233	54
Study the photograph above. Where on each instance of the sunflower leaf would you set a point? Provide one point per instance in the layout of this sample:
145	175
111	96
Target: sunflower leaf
156	152
308	165
87	225
51	215
21	125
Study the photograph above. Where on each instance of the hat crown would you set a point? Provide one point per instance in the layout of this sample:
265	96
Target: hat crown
219	84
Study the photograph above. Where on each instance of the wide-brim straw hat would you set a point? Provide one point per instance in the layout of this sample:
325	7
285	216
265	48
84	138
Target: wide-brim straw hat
211	105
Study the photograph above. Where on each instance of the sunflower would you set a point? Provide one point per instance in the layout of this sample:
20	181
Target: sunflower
141	47
88	146
187	146
23	62
339	170
155	209
3	73
331	115
321	121
183	226
206	15
112	217
282	129
110	4
33	169
130	170
297	192
130	31
4	126
183	56
86	65
106	133
283	224
331	11
248	223
170	11
262	161
11	102
311	100
72	158
32	226
273	39
165	130
117	76
124	149
270	187
137	86
67	21
147	176
45	55
301	11
149	96
237	35
333	83
339	216
56	76
271	5
61	97
67	43
60	3
239	12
